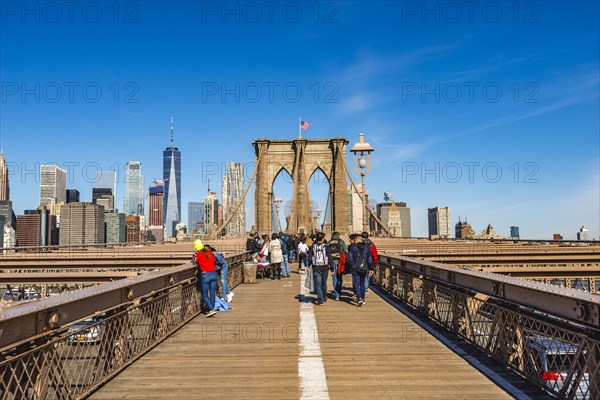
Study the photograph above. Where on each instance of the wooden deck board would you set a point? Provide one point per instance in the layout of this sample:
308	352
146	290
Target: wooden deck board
252	352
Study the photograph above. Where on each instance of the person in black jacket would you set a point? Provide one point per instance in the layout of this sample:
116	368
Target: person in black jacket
361	262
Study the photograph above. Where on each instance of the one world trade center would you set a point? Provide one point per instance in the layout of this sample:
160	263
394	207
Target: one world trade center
172	186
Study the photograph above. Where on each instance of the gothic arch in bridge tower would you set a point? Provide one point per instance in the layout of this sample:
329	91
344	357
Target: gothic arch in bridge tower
301	158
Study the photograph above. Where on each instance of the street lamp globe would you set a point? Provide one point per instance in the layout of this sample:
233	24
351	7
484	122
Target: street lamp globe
362	162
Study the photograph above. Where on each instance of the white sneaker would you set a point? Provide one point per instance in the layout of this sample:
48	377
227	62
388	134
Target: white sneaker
230	297
210	313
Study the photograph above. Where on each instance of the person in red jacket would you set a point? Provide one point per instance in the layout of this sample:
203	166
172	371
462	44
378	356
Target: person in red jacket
205	260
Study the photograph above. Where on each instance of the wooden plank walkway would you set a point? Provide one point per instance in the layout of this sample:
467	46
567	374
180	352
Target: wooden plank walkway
253	352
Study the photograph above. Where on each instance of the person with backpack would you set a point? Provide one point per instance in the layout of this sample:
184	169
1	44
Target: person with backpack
361	262
373	249
205	260
338	250
285	267
221	267
320	258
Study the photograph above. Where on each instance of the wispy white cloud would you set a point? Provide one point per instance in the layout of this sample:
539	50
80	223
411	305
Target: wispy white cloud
364	84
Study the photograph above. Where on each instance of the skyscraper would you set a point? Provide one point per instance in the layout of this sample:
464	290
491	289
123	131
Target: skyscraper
81	223
172	186
107	180
36	228
463	230
6	210
514	232
233	191
53	185
211	212
195	216
72	196
583	234
439	222
402	229
155	206
134	189
104	197
4	184
132	227
114	227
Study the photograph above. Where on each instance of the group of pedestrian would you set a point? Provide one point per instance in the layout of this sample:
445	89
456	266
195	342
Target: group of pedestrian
321	257
212	266
334	257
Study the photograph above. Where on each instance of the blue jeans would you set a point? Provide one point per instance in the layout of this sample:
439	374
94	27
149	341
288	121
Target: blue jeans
291	256
285	267
209	287
224	283
358	281
367	279
320	274
337	279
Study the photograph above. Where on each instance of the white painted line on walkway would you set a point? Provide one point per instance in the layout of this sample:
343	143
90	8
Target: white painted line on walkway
311	371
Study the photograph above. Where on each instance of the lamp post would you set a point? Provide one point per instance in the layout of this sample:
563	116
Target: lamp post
362	165
278	202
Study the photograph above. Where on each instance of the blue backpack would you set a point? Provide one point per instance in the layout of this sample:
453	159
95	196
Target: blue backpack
220	261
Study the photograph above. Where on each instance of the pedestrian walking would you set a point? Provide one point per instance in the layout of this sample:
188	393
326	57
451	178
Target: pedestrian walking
302	256
285	266
373	249
361	261
338	250
320	259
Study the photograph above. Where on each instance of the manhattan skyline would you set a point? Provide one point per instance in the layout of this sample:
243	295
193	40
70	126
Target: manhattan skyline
529	157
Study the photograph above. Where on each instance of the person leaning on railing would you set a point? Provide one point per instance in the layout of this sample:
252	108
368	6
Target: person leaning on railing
222	267
205	260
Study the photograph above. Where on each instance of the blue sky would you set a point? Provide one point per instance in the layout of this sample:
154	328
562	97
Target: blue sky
505	92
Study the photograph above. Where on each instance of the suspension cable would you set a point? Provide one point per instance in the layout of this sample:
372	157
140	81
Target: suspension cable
239	204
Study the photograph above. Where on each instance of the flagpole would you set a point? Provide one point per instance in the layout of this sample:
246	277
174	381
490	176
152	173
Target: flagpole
300	127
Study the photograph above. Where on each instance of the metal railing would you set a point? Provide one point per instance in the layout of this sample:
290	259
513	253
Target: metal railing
67	346
549	335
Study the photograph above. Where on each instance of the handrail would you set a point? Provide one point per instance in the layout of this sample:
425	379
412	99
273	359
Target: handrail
35	318
575	305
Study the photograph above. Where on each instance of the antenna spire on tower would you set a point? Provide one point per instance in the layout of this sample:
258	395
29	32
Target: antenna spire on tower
171	131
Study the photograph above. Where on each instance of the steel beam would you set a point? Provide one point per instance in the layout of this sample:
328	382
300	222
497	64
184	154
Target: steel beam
573	305
25	322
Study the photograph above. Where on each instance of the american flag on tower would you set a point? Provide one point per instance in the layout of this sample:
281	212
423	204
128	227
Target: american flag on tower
304	125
